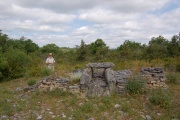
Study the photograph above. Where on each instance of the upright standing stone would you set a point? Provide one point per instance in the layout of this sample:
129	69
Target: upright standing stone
109	76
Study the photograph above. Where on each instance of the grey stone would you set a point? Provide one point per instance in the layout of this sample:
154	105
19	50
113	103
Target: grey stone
85	79
39	117
159	114
100	65
148	117
109	76
117	106
95	90
51	113
91	118
18	89
4	117
63	115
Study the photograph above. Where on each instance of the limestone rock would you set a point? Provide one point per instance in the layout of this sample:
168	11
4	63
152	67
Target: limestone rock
109	74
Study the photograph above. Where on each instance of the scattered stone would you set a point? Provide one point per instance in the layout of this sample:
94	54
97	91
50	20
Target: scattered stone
117	106
18	89
51	113
4	117
143	116
63	115
91	118
159	114
39	117
80	104
148	117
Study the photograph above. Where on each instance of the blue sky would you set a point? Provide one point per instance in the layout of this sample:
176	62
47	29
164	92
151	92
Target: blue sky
66	22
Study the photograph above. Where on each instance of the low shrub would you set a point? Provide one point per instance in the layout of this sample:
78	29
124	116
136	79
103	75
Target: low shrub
135	85
45	72
31	82
160	97
172	78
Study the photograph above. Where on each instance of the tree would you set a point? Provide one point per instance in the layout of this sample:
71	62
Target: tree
97	45
30	46
157	48
82	51
131	50
3	67
53	48
174	46
3	41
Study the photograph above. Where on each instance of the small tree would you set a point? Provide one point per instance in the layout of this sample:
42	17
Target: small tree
82	51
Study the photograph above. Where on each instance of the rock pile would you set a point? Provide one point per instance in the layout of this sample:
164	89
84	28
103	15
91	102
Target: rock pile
52	83
155	77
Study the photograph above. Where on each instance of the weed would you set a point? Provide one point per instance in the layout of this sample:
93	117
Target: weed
45	72
31	82
87	107
72	102
58	93
126	107
81	112
172	78
135	85
107	101
160	97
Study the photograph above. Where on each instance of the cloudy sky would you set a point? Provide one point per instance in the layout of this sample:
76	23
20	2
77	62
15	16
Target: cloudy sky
66	22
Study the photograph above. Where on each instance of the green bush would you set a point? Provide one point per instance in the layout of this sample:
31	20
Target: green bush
18	62
172	78
45	72
160	97
3	67
178	67
31	82
135	85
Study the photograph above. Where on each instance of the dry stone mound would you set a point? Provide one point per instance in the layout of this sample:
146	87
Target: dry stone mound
155	77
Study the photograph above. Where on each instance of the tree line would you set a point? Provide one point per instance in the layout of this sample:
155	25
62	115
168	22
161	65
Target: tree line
19	57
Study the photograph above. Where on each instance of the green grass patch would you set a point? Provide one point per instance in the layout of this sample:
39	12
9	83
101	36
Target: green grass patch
31	82
161	97
172	78
135	85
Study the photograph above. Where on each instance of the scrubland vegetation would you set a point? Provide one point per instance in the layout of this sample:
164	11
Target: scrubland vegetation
22	63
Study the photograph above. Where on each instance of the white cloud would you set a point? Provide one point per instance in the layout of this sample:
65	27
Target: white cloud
66	22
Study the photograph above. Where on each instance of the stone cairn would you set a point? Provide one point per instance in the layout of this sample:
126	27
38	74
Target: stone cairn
155	77
51	83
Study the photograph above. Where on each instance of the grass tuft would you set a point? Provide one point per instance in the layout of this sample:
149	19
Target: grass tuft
31	82
160	97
